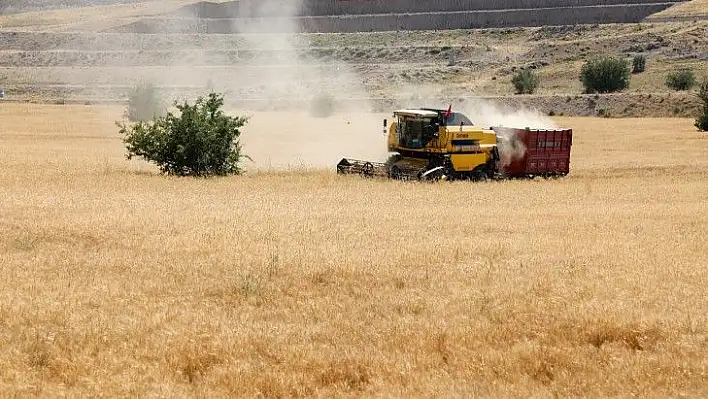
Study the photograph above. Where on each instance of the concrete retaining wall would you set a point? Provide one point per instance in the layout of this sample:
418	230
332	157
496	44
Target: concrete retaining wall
394	22
473	20
256	8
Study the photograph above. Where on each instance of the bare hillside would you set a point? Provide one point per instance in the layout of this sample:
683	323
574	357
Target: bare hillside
388	68
64	56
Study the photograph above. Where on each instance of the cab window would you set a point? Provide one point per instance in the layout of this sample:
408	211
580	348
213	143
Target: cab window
412	132
456	118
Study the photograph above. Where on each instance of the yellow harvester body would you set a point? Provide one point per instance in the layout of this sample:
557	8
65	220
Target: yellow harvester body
431	143
421	136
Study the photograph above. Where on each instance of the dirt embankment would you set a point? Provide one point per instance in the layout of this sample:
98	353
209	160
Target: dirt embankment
17	6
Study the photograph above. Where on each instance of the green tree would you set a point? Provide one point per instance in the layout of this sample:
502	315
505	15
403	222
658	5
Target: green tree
680	80
525	81
702	120
201	141
605	75
639	63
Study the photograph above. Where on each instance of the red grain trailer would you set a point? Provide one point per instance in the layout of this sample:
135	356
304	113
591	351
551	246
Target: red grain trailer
527	153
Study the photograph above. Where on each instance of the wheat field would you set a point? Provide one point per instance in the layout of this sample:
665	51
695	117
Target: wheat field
120	282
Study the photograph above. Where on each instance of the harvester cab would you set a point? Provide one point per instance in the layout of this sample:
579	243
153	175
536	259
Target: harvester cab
413	129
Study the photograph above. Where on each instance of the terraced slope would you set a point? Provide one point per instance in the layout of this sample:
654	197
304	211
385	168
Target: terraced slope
269	72
57	59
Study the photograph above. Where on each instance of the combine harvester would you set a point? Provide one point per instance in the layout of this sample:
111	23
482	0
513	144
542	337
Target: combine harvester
435	144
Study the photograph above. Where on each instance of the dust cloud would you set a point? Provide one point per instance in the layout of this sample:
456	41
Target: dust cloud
332	117
284	140
302	112
481	111
488	114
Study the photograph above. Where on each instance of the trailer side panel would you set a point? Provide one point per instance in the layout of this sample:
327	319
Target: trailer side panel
534	152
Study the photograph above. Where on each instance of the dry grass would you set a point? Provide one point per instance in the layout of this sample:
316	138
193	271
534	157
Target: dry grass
693	8
89	18
117	281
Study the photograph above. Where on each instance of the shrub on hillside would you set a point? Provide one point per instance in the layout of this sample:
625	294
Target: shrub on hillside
525	81
605	75
702	120
639	63
201	141
680	80
144	103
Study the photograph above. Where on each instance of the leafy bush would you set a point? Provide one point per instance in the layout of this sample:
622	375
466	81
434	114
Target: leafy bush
322	106
605	75
680	80
144	103
702	120
201	141
525	81
639	63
